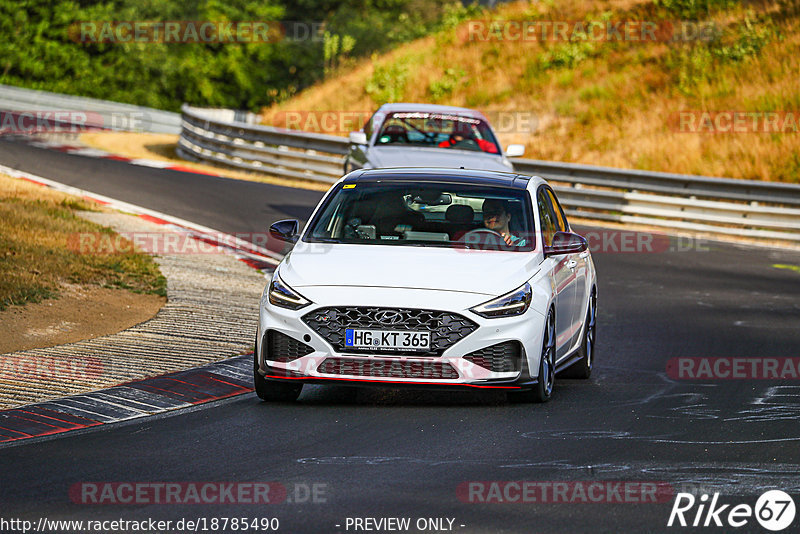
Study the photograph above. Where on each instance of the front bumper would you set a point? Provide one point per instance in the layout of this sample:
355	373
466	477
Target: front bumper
453	368
521	382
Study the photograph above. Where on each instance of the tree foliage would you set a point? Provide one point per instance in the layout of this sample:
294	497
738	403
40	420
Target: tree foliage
39	49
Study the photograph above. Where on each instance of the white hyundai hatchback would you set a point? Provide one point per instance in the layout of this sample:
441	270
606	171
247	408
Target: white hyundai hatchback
438	278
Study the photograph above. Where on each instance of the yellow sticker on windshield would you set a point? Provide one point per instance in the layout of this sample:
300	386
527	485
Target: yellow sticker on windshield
348	186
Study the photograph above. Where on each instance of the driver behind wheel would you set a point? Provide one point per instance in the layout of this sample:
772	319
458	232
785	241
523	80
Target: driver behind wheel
496	217
463	135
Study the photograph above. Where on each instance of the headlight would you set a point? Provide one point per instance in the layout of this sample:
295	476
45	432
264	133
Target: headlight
513	303
283	296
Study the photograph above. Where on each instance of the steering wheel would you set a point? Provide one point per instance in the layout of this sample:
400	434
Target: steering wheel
466	143
430	137
483	236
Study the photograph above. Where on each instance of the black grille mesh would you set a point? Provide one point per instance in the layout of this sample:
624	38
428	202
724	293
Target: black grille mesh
389	368
446	328
283	348
500	358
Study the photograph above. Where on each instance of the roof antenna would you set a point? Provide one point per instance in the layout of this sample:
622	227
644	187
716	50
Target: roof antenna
461	167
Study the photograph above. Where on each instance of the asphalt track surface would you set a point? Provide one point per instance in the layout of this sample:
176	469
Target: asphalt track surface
403	453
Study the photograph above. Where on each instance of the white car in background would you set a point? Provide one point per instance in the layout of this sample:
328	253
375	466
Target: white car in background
428	135
434	278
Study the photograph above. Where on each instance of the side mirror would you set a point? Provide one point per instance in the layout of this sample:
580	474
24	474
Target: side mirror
287	230
515	151
358	138
566	243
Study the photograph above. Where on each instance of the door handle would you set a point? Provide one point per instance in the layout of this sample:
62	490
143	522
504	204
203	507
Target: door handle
571	264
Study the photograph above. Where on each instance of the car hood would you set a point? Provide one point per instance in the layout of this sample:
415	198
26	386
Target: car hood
489	273
383	157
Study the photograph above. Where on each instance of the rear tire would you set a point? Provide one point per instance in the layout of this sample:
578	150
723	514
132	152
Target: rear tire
270	390
582	369
543	390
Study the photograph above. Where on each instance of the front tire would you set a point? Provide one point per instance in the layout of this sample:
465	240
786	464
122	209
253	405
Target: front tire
543	389
582	369
272	391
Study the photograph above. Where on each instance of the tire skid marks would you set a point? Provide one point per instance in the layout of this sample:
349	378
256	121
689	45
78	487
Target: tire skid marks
776	403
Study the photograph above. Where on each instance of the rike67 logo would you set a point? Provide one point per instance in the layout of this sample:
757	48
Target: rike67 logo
774	510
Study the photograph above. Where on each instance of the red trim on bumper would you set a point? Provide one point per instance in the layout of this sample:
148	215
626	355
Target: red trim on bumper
390	383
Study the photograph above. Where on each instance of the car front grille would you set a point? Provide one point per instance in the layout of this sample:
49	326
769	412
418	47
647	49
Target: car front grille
446	328
432	370
500	358
283	348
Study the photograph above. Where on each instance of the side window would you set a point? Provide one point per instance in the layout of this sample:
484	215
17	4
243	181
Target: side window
561	219
546	215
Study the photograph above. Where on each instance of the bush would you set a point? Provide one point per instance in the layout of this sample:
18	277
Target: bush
443	87
694	9
387	83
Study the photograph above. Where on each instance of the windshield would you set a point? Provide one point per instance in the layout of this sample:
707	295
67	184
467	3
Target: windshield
437	130
425	214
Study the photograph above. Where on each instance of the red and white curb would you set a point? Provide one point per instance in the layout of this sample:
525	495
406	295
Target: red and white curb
132	400
253	255
79	150
141	398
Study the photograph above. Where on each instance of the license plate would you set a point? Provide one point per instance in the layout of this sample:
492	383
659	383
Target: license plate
387	339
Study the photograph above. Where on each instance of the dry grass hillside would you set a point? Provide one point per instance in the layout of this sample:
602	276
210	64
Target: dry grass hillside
612	102
39	232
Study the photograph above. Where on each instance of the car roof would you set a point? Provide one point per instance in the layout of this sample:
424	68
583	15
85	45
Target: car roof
443	175
430	108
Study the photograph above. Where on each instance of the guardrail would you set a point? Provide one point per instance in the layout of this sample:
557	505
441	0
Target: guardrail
111	115
282	152
720	206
